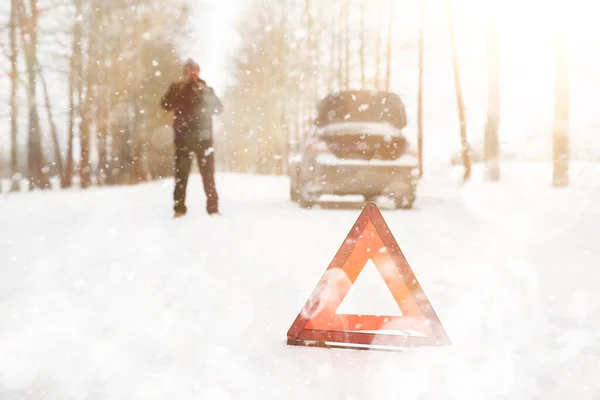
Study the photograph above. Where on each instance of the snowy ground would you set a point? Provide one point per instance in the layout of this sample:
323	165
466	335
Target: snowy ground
104	296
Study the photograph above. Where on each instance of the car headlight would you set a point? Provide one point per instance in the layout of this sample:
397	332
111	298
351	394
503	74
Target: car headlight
414	172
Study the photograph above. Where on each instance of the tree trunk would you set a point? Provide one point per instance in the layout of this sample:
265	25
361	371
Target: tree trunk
68	180
115	170
420	86
340	45
316	46
363	72
102	101
137	163
101	136
378	48
85	170
126	148
491	143
36	164
332	47
14	102
346	18
465	149
75	84
560	134
53	132
311	45
85	167
309	26
285	159
332	70
388	75
297	125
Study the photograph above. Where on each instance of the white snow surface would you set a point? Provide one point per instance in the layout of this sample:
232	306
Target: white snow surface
104	296
369	295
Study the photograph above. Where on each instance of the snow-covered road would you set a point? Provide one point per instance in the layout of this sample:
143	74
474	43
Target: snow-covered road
103	294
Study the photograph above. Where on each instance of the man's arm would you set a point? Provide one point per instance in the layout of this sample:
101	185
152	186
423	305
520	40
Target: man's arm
213	101
169	100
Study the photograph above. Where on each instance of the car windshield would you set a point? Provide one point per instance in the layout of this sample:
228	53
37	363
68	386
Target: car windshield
361	106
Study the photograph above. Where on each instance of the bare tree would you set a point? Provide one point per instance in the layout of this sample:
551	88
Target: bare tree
312	55
491	145
465	149
75	82
560	132
340	43
85	109
420	85
388	74
14	102
363	38
333	46
346	23
102	130
331	35
37	168
120	56
53	132
378	46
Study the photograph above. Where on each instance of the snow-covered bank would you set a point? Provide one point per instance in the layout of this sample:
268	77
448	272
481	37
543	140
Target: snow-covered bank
101	291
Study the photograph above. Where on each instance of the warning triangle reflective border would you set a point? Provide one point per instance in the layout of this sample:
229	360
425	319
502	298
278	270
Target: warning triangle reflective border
320	325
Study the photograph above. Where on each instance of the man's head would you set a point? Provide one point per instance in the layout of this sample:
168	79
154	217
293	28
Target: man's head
191	70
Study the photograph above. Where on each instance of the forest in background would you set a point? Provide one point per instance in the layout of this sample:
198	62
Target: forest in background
116	58
294	52
114	61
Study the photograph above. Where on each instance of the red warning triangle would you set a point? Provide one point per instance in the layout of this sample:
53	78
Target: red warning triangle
319	322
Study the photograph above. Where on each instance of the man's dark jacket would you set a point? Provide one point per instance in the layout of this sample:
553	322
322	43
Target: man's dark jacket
193	110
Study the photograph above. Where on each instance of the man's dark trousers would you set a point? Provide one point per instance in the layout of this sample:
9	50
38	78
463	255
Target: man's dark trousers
185	151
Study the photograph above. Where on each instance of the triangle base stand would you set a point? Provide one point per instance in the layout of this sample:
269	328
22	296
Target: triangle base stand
340	346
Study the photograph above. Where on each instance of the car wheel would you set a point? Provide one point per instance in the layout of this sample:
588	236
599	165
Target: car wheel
305	198
404	202
294	193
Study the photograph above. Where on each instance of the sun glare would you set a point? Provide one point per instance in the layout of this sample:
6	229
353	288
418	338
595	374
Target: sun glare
528	31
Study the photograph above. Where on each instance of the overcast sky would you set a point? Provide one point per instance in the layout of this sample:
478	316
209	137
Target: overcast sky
214	23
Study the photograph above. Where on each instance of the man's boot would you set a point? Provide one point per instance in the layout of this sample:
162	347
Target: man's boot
179	214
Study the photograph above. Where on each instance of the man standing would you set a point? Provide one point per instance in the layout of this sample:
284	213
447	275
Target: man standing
194	104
